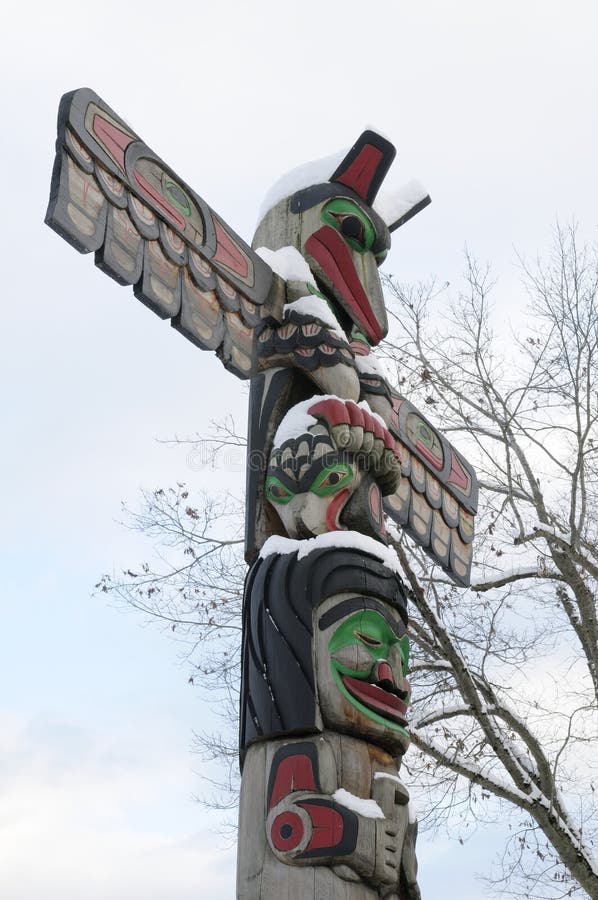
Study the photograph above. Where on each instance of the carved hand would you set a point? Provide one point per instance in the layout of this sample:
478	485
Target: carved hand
313	829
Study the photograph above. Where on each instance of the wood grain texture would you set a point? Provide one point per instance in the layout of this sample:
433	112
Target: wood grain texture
382	861
113	196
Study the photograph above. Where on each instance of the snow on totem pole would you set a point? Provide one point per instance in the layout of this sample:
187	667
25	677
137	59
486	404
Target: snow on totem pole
333	448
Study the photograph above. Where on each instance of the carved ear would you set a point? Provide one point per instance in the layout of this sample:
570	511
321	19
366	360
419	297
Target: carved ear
397	207
365	166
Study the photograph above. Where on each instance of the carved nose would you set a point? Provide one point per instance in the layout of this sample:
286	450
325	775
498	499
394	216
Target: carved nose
384	673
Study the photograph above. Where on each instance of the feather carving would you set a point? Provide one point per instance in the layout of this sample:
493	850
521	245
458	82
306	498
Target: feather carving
113	196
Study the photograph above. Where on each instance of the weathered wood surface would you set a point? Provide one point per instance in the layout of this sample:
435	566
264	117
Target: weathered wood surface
381	864
323	814
327	668
112	195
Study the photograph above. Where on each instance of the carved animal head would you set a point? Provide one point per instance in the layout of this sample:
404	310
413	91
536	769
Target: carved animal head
335	226
329	471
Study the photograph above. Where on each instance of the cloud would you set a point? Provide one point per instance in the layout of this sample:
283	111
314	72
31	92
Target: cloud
87	817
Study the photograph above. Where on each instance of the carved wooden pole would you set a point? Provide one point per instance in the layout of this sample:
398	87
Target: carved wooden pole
332	448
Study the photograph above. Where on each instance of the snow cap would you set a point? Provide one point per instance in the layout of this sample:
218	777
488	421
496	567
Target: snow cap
361	169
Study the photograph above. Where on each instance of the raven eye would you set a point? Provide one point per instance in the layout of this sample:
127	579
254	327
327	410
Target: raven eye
352	227
351	222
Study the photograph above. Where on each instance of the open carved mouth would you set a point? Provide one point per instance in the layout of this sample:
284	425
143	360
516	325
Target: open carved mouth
376	698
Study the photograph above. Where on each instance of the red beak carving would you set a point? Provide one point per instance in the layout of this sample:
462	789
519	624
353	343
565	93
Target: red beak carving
330	251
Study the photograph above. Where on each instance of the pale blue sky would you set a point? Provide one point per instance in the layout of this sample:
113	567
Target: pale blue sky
491	105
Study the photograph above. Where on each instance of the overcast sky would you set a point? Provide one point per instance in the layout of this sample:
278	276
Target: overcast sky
491	105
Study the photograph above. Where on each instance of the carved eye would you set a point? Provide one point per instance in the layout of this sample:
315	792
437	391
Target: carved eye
367	640
277	492
352	227
332	480
352	222
178	197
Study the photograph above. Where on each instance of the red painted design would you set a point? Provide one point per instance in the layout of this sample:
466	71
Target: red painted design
143	211
113	139
328	826
226	287
311	329
377	429
228	254
95	196
334	510
383	702
329	250
394	416
287	831
457	475
357	416
375	501
358	176
359	348
385	673
295	773
159	200
431	457
332	411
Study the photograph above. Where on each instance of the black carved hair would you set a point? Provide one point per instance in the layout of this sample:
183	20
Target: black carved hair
281	591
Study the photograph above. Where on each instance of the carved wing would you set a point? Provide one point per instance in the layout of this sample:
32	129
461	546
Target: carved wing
437	497
112	195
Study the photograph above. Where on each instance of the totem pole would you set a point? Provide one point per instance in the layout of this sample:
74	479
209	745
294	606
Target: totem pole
332	449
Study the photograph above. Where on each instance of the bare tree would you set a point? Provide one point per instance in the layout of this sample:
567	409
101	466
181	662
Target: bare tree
505	678
193	589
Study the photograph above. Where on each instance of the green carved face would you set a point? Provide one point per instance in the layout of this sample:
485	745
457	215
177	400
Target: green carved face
366	691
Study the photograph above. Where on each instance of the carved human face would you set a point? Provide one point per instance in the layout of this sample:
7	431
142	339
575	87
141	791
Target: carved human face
361	659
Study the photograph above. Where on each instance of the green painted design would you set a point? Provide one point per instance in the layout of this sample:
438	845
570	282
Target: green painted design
371	632
315	292
425	434
357	335
351	222
380	257
178	197
276	492
332	479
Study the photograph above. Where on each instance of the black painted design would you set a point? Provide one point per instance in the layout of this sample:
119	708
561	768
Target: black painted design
353	604
277	680
348	841
305	342
112	195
